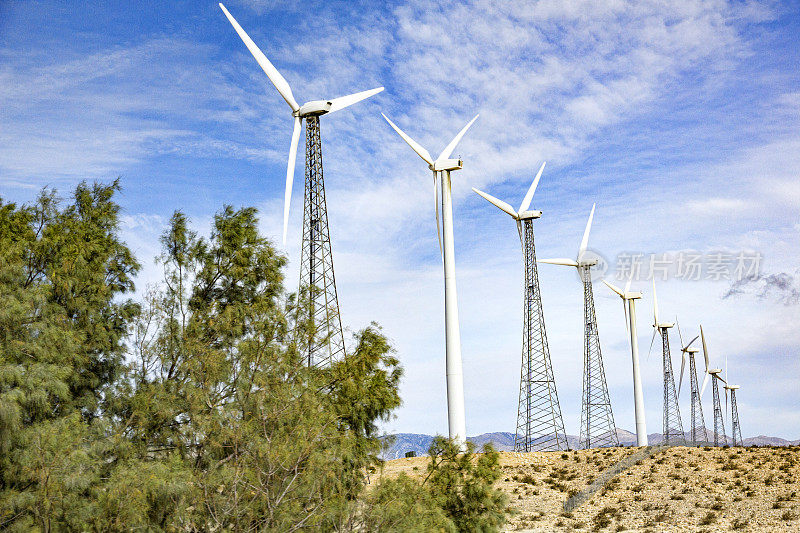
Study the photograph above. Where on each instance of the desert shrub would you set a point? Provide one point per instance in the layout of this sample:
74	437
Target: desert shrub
708	519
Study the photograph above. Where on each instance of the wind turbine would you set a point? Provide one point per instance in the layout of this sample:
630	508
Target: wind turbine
597	419
736	431
441	168
539	423
698	421
629	305
672	425
325	340
713	373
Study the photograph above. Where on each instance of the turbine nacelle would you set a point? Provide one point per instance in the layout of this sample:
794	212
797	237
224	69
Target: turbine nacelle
624	294
715	371
446	165
442	164
315	108
732	387
528	215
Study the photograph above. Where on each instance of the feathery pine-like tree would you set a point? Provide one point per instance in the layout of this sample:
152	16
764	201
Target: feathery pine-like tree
210	421
63	271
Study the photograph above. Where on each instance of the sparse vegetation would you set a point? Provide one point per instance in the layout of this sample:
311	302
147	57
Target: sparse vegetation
710	498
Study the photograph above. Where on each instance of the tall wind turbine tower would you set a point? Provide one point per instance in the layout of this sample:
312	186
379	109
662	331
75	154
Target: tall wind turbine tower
672	426
719	415
597	420
321	330
736	431
539	423
629	305
698	423
441	169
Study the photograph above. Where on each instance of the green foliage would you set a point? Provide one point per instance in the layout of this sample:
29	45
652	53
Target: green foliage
192	410
63	323
403	504
463	485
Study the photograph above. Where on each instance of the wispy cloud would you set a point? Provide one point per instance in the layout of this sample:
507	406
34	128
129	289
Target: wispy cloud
663	113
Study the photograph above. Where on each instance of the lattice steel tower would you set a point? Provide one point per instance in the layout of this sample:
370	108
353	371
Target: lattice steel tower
322	327
719	415
597	419
698	431
736	431
325	341
672	426
539	423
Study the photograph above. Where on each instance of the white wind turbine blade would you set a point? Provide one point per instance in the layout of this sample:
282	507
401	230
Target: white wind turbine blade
683	364
344	101
680	336
625	310
585	240
692	341
559	261
652	339
655	304
705	382
705	348
628	284
452	146
615	289
705	355
272	73
526	202
436	209
500	204
287	199
422	152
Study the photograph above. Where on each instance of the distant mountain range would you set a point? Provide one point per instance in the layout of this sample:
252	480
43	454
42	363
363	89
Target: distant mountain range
401	443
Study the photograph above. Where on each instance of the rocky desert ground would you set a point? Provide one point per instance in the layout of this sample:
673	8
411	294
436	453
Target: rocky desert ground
676	489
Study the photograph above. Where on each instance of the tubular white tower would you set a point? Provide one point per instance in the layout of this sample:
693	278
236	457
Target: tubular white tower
629	305
441	168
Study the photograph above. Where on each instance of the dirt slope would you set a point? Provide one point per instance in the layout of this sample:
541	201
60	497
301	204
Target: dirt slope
679	489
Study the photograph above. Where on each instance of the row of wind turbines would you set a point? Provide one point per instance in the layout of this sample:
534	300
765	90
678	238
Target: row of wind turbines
597	421
539	421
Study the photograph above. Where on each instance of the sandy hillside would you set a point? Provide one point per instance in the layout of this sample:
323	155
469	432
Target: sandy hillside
677	489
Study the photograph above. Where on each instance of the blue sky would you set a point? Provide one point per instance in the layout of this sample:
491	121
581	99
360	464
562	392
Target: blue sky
680	119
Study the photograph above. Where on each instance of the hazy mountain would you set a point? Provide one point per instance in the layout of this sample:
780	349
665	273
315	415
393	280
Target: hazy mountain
398	445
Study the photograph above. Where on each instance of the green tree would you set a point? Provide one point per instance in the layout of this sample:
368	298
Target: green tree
217	388
63	272
463	485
